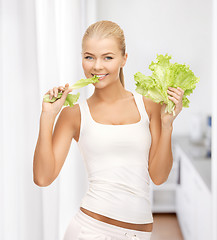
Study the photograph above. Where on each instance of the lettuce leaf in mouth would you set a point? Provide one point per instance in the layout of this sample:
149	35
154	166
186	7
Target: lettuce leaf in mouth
71	99
166	74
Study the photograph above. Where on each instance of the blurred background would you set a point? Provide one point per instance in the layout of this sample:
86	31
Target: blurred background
40	47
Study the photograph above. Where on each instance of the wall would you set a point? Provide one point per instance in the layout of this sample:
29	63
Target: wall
181	29
214	123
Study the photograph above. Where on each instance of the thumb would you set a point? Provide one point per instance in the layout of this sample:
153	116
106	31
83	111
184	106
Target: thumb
65	93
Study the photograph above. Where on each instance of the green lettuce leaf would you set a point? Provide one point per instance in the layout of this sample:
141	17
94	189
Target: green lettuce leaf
71	99
84	82
166	74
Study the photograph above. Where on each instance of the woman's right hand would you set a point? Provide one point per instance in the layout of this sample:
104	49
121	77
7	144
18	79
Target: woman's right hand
55	107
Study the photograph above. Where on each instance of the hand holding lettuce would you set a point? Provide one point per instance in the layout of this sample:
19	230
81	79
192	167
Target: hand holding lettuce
71	99
164	75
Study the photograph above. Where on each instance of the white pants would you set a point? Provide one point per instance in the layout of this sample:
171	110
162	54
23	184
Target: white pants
84	227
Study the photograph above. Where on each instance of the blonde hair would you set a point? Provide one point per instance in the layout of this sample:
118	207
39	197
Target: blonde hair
105	29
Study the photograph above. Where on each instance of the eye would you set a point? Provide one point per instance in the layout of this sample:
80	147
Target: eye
109	57
87	57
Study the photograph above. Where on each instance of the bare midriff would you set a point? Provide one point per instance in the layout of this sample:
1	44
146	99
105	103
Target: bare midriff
147	227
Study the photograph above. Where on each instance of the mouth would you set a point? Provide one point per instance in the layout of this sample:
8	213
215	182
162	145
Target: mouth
101	76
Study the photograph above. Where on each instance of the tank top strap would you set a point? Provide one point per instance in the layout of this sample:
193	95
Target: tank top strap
85	118
140	104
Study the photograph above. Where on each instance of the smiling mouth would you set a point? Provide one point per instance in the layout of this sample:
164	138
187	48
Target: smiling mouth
101	76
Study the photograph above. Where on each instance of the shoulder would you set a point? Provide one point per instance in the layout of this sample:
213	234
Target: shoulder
153	109
70	111
71	115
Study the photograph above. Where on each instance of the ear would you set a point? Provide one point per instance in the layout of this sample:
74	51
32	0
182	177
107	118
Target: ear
124	60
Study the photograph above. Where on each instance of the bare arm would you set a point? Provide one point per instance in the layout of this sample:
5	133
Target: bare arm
161	158
44	163
52	147
160	154
162	161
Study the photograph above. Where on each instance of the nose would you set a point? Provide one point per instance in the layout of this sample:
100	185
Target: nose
97	65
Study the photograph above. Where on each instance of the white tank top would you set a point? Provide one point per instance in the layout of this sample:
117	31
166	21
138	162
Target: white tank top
116	160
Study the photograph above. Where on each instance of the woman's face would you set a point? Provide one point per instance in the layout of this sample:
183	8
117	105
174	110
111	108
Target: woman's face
102	57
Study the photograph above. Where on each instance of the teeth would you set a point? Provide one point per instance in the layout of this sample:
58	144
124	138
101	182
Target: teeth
100	75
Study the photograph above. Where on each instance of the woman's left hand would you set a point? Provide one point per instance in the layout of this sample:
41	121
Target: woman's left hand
176	96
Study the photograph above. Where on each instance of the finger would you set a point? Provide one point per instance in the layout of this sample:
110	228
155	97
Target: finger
175	95
177	91
64	96
55	89
61	88
181	90
51	93
67	91
173	99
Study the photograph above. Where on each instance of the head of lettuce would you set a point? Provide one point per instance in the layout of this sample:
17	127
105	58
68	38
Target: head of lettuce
71	99
166	74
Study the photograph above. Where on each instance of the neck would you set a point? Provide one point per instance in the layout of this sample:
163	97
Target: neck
111	93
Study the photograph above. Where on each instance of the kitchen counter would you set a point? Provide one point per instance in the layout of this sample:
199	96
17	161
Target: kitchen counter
196	153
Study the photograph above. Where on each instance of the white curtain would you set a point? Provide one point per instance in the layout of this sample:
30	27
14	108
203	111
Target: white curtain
40	46
21	202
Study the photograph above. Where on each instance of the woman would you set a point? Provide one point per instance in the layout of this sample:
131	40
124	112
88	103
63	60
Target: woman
123	137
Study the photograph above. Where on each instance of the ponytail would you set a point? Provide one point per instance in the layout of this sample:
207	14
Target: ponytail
121	76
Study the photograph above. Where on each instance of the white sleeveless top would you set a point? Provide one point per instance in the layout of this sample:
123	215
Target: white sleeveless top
116	160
